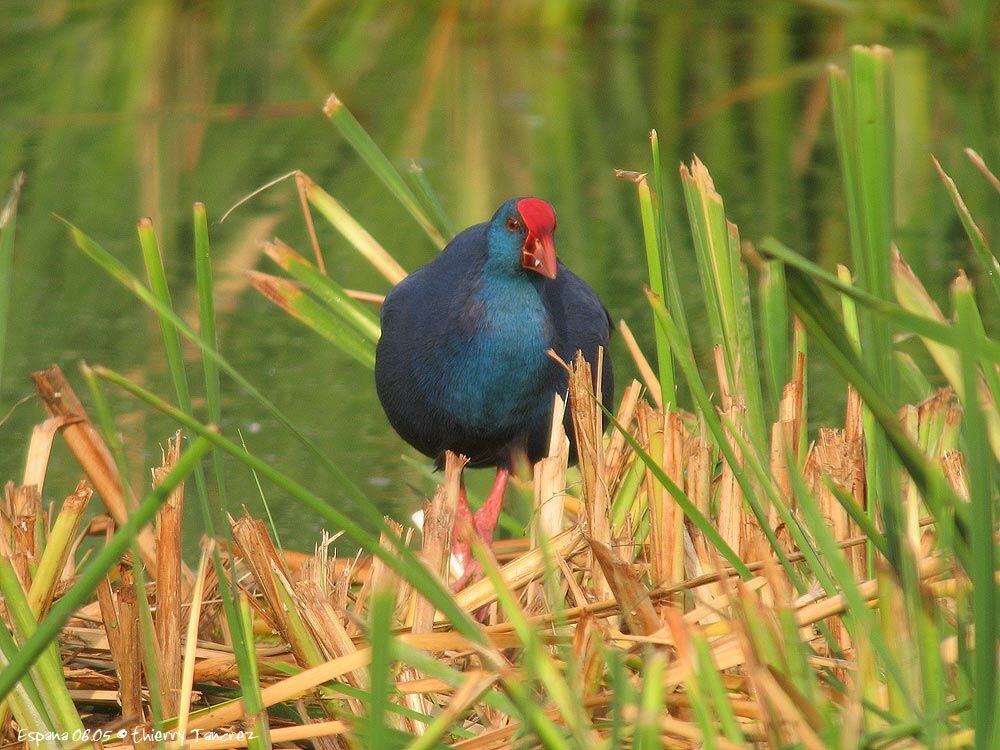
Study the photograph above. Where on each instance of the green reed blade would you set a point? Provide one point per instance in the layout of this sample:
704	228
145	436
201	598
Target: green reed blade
236	627
865	522
912	378
8	225
862	109
158	286
774	323
24	699
377	161
48	672
207	329
149	653
656	261
95	570
982	499
172	344
235	620
674	299
153	260
896	314
651	708
254	710
623	697
431	201
798	654
935	677
326	289
308	310
703	671
972	230
377	732
727	295
352	231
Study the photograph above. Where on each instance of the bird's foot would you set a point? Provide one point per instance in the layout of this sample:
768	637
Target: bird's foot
471	573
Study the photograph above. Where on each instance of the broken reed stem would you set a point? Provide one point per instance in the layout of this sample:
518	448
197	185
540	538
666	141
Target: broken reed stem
91	452
381	577
168	577
39	448
645	370
439	525
25	507
548	499
588	425
273	579
128	660
58	548
617	458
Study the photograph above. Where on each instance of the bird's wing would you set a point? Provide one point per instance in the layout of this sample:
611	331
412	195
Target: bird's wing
580	320
581	323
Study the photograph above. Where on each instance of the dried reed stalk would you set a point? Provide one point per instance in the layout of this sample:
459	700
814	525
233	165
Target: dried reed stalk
25	507
328	627
588	426
645	370
548	504
380	578
169	523
121	618
90	451
259	554
39	447
439	525
618	456
625	581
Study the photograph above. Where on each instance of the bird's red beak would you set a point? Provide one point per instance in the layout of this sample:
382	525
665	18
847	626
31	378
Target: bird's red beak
539	251
539	255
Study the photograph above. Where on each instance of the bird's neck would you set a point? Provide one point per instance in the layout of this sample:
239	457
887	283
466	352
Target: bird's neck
513	302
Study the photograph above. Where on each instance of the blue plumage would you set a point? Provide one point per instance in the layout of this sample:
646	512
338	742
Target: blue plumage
462	363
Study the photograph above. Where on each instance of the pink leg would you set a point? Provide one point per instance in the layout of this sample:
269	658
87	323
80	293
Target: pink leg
484	521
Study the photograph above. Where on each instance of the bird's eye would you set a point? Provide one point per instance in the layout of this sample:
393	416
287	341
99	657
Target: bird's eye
513	224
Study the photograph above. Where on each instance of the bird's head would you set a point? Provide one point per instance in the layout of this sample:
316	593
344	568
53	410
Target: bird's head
521	231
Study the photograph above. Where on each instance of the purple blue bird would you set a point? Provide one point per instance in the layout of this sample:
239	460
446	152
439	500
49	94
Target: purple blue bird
462	363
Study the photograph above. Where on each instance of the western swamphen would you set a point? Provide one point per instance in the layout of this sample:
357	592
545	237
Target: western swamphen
462	362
